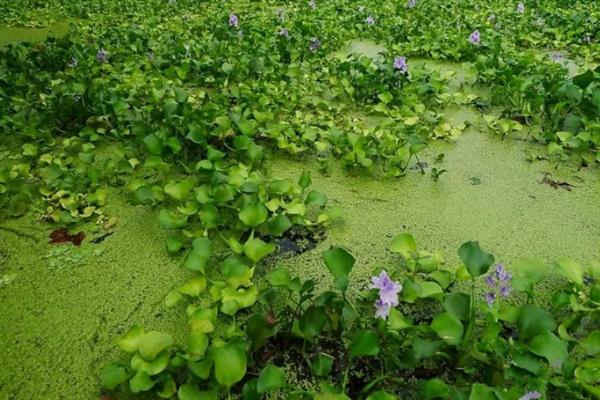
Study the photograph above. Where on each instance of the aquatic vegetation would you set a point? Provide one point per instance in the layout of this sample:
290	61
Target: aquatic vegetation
177	108
334	339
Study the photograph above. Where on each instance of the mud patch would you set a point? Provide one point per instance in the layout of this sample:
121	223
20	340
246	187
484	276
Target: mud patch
300	239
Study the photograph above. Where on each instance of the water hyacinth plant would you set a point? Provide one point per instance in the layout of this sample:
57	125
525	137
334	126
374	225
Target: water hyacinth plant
475	37
233	20
498	281
102	56
531	396
521	8
400	64
388	294
314	44
370	20
411	4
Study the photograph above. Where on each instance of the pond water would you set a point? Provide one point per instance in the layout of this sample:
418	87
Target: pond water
13	34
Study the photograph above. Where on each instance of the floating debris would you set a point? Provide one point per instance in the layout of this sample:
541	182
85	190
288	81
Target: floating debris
62	236
557	184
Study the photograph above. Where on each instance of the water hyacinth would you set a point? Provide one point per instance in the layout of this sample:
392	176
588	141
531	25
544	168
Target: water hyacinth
521	8
102	56
531	396
370	20
475	37
499	283
388	294
400	64
284	32
315	44
312	4
557	57
491	18
73	62
281	15
233	20
587	39
411	4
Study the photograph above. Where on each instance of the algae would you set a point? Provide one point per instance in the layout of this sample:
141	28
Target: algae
14	34
511	212
59	324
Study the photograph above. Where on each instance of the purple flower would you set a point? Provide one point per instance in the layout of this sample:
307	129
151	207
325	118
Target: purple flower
475	37
531	396
491	18
499	283
587	39
520	8
370	20
281	15
73	62
400	64
315	44
382	310
557	57
101	56
411	4
388	289
233	20
312	4
284	32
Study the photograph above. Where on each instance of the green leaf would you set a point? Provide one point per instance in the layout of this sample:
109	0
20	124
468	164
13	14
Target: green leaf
533	321
279	277
187	391
480	391
571	270
313	321
249	391
458	304
259	330
435	389
179	190
591	344
113	376
196	262
141	382
255	249
339	263
130	341
153	343
322	365
404	244
584	80
168	220
547	345
230	364
396	321
316	198
476	260
254	214
271	378
279	224
381	395
154	367
168	389
193	287
197	344
305	181
448	327
364	343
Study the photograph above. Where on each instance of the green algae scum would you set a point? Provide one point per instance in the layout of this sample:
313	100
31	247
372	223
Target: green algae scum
299	200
